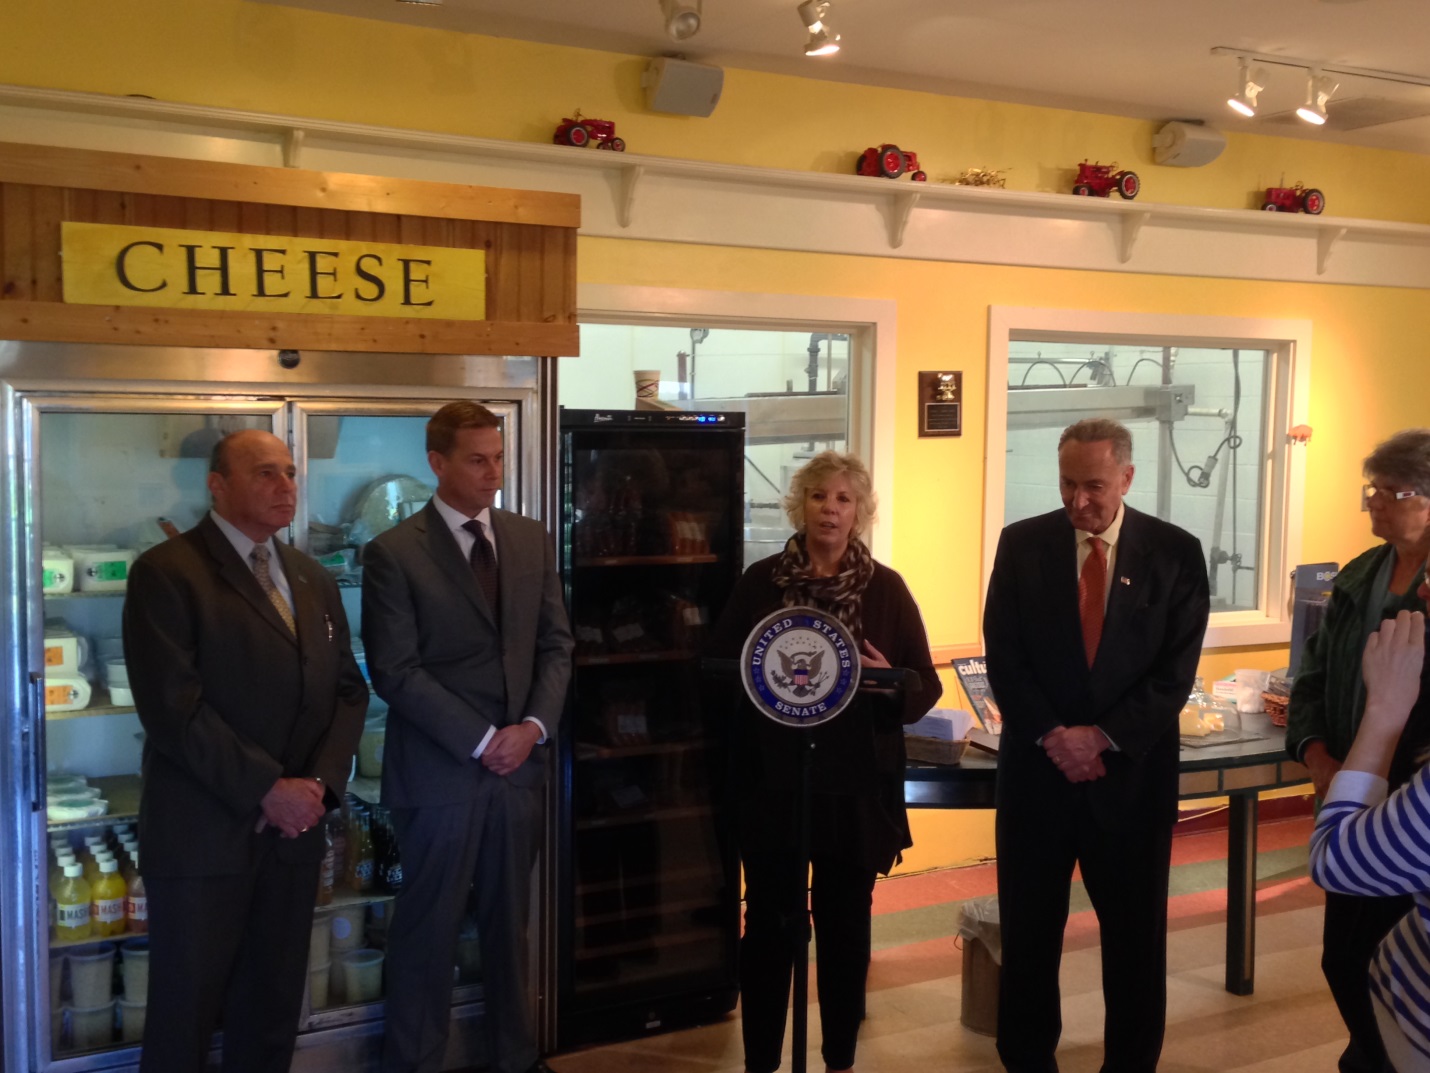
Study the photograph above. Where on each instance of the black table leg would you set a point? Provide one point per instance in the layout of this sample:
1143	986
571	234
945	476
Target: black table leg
1241	894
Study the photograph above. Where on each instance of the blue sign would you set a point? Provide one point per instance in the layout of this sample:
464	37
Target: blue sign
800	667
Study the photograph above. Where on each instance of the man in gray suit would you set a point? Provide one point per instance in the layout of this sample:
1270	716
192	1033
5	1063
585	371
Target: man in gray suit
468	643
252	705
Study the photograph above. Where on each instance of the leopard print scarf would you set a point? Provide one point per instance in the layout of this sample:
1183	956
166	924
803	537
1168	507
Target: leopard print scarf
841	595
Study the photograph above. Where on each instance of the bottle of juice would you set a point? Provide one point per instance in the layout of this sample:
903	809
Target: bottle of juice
72	907
326	875
338	832
136	905
364	865
127	868
106	899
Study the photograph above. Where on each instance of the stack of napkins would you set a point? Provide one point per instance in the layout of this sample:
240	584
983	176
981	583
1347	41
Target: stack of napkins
942	724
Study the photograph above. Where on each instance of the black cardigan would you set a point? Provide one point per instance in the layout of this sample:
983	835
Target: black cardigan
857	807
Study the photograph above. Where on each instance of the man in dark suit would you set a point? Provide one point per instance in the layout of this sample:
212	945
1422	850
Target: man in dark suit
467	641
252	705
1093	626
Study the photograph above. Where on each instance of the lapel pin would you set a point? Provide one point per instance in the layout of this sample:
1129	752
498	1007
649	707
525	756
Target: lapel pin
1125	580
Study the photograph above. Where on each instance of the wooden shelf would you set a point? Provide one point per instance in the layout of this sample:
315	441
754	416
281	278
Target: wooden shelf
617	658
592	751
99	705
646	560
648	815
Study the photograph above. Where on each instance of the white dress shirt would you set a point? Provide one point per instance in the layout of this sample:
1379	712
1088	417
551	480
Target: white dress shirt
244	546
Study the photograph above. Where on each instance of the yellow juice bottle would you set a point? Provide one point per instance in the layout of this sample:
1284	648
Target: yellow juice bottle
72	906
106	899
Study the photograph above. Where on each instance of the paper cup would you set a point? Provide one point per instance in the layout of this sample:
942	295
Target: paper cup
347	927
362	974
318	977
131	1020
57	976
91	977
134	968
647	383
320	945
92	1027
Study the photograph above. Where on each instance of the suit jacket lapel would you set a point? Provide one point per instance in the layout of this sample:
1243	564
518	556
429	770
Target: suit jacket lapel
433	534
240	575
1129	579
307	606
1059	570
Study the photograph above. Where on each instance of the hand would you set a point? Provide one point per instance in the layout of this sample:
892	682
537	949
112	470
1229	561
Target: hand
1390	667
509	748
869	656
292	806
1076	752
1322	766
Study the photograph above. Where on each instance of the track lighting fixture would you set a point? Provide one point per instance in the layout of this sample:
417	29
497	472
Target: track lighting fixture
682	18
822	40
1249	84
1319	89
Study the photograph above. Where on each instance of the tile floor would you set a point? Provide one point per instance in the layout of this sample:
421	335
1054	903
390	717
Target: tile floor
915	980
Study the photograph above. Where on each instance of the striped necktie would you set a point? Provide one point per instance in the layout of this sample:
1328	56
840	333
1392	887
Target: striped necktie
259	555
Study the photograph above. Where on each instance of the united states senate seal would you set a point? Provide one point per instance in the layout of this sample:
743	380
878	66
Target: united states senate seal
800	666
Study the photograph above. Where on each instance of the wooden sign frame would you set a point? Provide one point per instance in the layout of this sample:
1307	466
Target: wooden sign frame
529	238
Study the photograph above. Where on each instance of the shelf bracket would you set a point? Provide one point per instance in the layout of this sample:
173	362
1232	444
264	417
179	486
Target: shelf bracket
630	181
292	146
902	208
1326	240
1127	235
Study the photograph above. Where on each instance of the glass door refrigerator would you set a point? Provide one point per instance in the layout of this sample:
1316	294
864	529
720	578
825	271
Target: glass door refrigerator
647	883
98	468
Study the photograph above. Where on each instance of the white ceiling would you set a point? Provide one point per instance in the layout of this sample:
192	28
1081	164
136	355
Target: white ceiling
1149	59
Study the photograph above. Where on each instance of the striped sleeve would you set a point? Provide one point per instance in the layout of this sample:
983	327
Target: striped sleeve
1368	844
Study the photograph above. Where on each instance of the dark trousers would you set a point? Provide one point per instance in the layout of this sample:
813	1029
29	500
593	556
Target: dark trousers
235	945
841	895
486	848
1353	930
1126	875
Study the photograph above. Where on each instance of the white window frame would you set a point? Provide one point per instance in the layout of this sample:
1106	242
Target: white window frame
1288	343
869	322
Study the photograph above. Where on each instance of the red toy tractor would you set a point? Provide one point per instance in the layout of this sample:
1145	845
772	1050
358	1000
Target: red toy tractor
1099	180
890	161
579	131
1298	198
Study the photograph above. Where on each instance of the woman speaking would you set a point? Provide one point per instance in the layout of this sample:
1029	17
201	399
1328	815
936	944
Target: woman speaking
858	824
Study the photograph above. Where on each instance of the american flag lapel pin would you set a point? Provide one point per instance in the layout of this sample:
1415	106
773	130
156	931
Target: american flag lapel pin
1125	580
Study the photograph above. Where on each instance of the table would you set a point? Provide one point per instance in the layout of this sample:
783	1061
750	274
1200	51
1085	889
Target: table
1239	772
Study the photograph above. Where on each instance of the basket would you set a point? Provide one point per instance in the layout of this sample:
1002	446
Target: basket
934	750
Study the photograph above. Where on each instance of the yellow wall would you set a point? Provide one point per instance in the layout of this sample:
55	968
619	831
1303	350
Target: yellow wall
1367	341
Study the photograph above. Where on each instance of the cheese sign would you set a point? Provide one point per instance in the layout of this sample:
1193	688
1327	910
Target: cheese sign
159	267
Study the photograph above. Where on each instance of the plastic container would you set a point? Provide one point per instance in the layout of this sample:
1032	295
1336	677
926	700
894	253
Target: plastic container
131	1020
320	945
101	568
1207	718
66	693
347	927
318	977
134	969
92	1027
92	975
362	975
56	571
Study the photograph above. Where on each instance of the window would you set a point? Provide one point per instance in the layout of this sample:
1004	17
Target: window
1208	402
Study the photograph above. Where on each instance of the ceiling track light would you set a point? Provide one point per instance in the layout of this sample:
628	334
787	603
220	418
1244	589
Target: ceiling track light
682	18
1249	85
1320	88
823	41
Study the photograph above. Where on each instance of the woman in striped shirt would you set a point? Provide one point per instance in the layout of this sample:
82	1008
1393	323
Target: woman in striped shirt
1369	844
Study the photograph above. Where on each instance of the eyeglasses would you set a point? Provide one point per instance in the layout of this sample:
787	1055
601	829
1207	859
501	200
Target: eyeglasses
1368	490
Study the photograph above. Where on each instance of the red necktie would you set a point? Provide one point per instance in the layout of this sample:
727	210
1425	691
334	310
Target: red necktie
1092	596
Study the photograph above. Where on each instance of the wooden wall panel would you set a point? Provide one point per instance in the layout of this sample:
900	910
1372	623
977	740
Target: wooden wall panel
531	271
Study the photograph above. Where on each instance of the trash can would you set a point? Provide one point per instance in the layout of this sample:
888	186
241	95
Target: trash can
982	950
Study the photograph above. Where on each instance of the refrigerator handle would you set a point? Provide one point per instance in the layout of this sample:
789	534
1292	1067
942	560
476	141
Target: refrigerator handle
32	734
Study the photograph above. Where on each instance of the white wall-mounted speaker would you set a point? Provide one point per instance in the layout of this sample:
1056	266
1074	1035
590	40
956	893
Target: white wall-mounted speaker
681	87
1187	145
